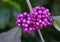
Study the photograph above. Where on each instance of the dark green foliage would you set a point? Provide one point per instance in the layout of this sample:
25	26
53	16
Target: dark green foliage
11	8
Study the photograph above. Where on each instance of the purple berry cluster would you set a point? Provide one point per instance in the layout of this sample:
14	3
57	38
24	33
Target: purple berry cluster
39	18
25	21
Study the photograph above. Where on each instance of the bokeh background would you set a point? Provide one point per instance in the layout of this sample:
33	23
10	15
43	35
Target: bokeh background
9	9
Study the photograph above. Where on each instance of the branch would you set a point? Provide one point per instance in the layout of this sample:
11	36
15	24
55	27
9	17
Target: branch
30	8
29	5
40	34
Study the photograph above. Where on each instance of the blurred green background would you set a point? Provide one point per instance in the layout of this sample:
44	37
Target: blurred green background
9	9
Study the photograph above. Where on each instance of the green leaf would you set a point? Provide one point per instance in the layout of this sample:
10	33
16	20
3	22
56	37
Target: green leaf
55	9
50	34
4	17
13	35
14	4
56	22
15	12
38	2
56	25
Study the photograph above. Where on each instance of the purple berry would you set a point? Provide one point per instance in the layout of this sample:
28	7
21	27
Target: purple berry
30	29
40	12
35	13
25	14
25	29
29	18
26	25
24	20
28	22
48	13
18	20
34	29
21	15
37	23
40	21
39	18
19	25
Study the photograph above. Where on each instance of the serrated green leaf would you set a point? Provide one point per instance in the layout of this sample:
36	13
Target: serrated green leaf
14	4
56	25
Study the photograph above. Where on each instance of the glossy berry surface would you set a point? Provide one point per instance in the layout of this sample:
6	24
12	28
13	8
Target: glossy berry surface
39	18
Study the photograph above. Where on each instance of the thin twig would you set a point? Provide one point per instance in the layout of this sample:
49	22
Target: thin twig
40	34
29	5
30	8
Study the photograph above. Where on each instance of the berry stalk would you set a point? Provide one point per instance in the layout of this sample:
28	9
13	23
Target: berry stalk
30	8
41	36
29	5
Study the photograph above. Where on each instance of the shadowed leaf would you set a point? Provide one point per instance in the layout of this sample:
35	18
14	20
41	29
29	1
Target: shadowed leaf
14	4
4	17
56	22
11	36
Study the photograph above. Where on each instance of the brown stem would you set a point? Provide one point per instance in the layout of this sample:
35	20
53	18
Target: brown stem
29	5
30	8
40	34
